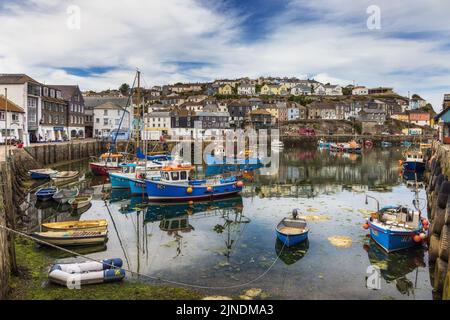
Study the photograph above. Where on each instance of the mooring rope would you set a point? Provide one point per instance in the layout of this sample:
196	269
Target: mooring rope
141	274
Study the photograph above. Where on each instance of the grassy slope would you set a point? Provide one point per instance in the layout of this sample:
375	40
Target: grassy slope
33	283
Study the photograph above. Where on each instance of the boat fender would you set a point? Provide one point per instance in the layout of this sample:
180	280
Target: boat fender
112	263
113	275
189	190
417	238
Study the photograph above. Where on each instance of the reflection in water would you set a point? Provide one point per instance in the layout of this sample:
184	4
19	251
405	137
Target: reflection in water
397	265
290	255
231	241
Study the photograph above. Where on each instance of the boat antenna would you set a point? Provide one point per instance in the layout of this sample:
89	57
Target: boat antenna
378	202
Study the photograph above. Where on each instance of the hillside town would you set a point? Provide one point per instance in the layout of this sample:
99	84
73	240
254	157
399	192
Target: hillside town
41	112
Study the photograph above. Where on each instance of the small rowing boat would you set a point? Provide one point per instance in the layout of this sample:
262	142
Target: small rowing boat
64	195
44	194
42	173
292	231
80	202
75	225
73	237
65	177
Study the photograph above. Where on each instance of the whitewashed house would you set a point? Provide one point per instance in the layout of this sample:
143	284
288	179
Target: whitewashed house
12	120
293	113
301	90
108	117
246	89
157	124
360	91
25	92
333	90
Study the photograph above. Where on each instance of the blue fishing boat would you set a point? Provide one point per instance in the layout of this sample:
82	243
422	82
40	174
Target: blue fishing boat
292	231
44	194
414	162
396	227
137	186
38	174
131	173
175	185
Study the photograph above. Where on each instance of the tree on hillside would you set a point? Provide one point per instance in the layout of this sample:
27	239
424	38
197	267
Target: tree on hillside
124	89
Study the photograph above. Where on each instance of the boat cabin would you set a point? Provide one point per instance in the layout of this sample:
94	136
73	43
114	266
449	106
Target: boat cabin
112	159
128	167
178	173
414	157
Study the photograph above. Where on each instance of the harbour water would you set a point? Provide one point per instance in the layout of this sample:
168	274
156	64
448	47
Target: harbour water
225	247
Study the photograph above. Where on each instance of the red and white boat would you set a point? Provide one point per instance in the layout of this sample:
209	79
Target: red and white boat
107	162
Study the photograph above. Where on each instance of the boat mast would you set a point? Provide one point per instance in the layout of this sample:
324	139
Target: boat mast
138	110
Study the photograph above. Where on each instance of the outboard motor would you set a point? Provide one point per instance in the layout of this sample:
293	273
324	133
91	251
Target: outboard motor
294	214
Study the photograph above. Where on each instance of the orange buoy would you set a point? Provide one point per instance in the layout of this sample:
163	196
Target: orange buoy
209	189
191	202
239	184
400	162
417	238
189	190
366	226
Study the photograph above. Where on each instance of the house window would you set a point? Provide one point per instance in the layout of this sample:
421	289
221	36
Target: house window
105	112
2	115
97	120
105	121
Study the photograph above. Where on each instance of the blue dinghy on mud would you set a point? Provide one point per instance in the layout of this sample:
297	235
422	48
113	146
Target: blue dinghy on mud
292	231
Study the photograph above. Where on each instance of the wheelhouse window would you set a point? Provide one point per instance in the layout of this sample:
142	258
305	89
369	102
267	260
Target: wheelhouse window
183	175
175	176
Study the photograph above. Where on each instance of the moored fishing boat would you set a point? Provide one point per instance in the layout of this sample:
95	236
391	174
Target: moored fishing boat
80	202
75	225
414	162
397	227
175	185
65	177
106	162
64	195
73	237
131	172
292	230
42	173
44	194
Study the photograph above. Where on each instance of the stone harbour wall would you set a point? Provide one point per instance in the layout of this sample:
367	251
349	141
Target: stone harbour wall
438	194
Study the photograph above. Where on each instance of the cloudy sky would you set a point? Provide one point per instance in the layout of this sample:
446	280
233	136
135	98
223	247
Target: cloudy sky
197	40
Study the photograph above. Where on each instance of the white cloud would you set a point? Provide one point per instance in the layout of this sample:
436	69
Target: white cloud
151	34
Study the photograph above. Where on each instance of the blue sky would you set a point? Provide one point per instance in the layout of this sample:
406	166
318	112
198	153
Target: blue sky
201	40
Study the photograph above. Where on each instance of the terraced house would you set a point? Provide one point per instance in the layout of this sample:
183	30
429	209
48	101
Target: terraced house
25	92
76	117
53	122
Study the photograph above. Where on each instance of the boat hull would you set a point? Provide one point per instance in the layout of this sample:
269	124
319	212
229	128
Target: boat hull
39	175
137	187
102	170
118	181
392	241
414	166
160	191
70	241
292	240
